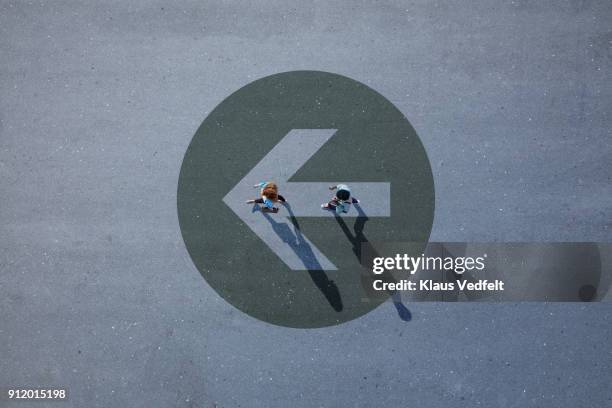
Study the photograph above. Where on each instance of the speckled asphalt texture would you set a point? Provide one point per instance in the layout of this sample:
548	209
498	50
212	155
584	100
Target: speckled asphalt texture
98	103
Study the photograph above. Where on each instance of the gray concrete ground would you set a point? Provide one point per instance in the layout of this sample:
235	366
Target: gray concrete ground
98	103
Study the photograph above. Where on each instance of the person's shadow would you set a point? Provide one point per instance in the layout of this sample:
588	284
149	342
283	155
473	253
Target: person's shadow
303	250
359	240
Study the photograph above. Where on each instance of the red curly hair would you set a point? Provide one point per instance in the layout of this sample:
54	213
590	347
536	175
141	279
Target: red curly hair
270	190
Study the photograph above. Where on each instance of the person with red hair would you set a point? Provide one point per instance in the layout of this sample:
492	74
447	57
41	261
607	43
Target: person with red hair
269	196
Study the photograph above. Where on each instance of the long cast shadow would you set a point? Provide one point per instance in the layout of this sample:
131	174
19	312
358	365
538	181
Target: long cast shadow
303	250
358	240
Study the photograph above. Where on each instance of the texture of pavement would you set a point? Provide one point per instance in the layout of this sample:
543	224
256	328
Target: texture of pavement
99	101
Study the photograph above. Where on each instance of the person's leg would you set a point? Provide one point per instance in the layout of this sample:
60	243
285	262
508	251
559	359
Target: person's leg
255	201
330	205
281	199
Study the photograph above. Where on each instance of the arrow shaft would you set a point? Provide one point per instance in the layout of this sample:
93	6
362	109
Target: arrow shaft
306	198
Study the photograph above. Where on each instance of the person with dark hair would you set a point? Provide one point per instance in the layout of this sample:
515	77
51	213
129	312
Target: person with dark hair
341	201
269	196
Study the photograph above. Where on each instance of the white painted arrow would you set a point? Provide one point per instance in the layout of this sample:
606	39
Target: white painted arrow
304	199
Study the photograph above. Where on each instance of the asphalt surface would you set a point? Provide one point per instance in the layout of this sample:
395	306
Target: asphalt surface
99	102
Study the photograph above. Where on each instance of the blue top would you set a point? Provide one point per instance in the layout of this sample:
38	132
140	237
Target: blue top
343	206
267	202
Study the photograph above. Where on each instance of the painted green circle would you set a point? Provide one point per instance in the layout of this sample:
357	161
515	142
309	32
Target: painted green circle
374	143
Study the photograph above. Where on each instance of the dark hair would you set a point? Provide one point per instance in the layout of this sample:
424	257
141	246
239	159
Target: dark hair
343	195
